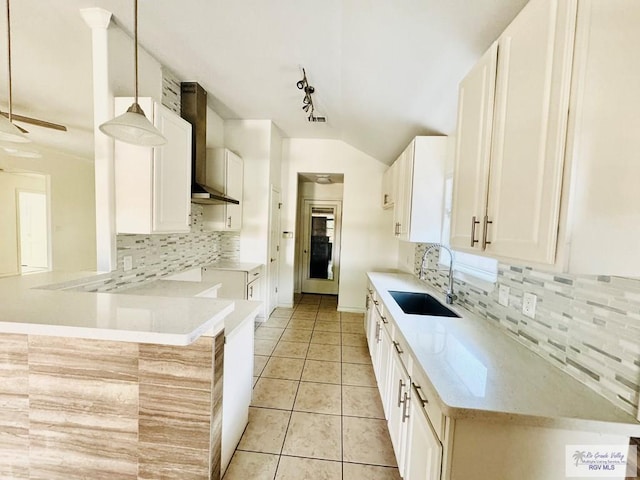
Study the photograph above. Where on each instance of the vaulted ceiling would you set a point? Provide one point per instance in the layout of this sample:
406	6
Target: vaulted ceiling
384	70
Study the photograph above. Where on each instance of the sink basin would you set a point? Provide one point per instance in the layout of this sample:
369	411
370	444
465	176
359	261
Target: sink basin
415	303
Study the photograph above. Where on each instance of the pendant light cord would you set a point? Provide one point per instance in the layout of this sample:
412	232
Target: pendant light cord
135	41
9	58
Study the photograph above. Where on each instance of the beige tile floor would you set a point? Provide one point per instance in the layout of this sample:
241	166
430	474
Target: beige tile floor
316	412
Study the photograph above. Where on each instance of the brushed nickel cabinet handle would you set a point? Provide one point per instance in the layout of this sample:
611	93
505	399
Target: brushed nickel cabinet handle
474	222
400	388
405	408
384	319
229	222
485	242
378	332
397	347
421	399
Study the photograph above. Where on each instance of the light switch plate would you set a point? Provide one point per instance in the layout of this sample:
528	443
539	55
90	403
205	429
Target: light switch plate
503	295
127	260
529	305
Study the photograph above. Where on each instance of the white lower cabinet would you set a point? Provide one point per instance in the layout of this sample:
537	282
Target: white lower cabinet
430	445
382	360
423	450
245	284
237	387
398	401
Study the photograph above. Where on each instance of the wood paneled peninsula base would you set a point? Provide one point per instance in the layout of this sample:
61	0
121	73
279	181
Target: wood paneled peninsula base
78	408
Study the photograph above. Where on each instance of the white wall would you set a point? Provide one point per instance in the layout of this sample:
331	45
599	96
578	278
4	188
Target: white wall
367	241
121	68
72	206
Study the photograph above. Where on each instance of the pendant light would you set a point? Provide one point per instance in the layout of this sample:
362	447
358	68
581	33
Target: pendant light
133	126
8	131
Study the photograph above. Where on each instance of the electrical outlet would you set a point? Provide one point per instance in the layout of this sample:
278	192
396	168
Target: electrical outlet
503	295
529	305
128	263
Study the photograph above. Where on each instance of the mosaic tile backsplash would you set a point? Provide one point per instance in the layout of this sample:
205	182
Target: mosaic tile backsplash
155	256
588	326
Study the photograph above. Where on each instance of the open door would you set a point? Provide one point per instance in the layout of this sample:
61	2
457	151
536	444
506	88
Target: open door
321	246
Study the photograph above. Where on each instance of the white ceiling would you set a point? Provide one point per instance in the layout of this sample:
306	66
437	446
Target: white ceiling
384	70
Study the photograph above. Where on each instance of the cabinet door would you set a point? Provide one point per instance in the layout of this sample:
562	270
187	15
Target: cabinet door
399	186
473	151
254	290
172	173
382	364
388	184
529	134
370	326
399	390
423	449
234	188
605	218
404	193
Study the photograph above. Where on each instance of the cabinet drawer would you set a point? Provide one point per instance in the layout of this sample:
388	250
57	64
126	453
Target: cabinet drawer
254	274
401	350
423	393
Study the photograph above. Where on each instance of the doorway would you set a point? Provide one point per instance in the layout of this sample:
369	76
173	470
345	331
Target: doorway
321	246
33	231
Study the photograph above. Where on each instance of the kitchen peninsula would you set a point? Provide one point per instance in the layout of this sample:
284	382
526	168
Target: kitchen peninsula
103	385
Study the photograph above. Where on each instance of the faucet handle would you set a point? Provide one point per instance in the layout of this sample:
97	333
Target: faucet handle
450	297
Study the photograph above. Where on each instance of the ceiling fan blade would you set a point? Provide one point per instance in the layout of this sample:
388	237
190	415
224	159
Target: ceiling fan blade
35	121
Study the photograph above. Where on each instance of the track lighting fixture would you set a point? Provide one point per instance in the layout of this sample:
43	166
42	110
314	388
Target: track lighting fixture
307	100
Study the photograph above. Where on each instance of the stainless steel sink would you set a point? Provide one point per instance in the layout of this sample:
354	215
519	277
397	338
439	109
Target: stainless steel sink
415	303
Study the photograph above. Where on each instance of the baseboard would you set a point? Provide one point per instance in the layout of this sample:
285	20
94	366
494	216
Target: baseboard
351	309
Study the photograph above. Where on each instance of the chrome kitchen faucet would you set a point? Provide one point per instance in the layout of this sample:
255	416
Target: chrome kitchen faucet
449	295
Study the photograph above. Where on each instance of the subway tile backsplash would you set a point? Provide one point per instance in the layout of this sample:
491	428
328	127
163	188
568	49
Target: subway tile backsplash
158	255
588	326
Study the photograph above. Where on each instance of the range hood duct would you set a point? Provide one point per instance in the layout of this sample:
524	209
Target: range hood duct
193	109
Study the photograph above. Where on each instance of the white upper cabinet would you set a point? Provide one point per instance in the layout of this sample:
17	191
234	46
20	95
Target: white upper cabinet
529	132
153	185
419	190
601	211
473	151
561	174
510	150
225	172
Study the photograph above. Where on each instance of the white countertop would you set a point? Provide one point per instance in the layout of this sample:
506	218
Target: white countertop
243	309
26	308
479	372
231	265
173	288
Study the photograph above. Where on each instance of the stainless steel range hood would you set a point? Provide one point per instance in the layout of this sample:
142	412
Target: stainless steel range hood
194	110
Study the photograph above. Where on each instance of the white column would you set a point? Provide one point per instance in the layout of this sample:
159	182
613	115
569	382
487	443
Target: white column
98	20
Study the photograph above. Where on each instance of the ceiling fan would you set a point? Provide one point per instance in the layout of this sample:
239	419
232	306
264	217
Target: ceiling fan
10	115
